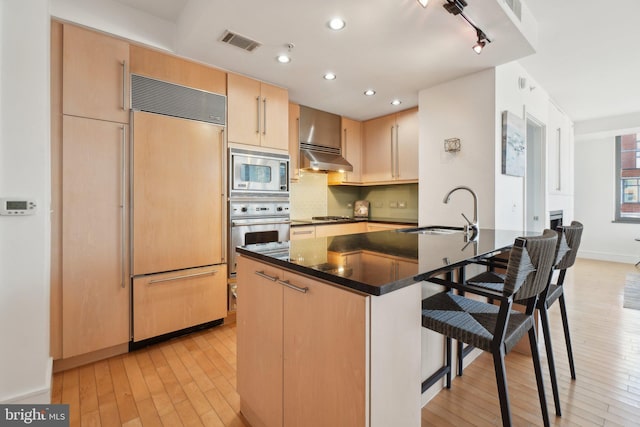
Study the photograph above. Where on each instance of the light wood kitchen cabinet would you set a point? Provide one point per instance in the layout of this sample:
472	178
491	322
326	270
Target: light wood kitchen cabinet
257	113
294	142
95	72
95	289
302	349
340	229
379	226
391	148
169	302
352	151
169	68
304	232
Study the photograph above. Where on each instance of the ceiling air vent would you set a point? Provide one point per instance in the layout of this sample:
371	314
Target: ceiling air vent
516	7
239	41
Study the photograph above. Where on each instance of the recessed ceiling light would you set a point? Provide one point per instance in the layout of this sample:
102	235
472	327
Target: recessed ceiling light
329	76
396	102
369	92
337	24
283	59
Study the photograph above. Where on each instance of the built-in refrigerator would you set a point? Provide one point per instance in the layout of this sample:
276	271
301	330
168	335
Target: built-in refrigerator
177	224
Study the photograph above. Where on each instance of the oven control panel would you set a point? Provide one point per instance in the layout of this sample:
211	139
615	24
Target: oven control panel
258	209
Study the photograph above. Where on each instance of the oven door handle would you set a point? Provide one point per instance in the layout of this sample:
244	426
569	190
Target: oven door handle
240	224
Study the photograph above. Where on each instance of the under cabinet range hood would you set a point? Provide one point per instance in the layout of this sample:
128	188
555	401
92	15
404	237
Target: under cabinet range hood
320	144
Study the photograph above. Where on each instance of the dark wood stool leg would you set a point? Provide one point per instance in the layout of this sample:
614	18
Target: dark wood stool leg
536	365
567	337
501	380
448	362
544	317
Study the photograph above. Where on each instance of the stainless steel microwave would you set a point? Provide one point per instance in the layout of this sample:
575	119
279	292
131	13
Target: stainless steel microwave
258	173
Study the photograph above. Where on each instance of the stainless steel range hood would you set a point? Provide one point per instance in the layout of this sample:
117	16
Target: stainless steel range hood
320	145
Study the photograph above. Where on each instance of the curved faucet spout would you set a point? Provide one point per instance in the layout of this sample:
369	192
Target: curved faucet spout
473	225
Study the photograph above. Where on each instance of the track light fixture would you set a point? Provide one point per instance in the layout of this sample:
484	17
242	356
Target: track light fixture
456	7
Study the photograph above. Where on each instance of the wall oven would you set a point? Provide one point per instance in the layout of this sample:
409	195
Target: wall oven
257	221
254	173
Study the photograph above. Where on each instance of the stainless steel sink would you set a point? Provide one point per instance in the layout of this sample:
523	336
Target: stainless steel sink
433	229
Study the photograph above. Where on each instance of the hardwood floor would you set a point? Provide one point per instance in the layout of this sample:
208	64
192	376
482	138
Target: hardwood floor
191	380
606	350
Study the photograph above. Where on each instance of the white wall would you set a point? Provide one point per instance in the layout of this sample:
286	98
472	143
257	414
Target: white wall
595	185
25	366
510	194
117	18
461	108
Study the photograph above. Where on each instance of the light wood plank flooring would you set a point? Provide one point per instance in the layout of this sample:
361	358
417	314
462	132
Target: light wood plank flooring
191	380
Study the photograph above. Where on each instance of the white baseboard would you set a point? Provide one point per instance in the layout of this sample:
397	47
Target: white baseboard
608	256
39	396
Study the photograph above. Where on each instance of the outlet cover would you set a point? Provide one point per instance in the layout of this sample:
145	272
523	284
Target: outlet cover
377	204
393	204
402	205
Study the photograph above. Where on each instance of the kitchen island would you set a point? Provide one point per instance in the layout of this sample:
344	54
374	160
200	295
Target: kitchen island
329	329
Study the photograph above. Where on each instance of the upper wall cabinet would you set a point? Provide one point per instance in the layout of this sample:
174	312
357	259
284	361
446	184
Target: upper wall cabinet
257	113
94	75
352	151
391	148
158	65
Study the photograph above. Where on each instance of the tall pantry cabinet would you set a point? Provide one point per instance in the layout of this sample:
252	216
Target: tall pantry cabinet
90	114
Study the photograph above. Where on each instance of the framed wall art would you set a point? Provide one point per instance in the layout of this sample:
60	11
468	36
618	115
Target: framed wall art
513	145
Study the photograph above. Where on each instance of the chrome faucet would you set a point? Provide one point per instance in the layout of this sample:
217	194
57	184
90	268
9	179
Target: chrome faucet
471	227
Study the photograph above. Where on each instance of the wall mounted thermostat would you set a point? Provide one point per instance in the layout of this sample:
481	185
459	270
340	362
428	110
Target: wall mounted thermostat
16	206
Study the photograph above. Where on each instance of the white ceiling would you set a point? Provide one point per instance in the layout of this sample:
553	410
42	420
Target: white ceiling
585	55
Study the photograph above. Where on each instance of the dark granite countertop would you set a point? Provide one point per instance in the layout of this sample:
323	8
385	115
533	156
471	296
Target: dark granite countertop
383	261
347	220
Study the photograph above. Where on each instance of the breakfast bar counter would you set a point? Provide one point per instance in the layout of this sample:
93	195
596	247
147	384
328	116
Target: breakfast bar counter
329	329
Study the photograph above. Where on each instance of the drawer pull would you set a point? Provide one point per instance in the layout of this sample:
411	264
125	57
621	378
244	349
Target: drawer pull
186	276
303	232
292	286
266	276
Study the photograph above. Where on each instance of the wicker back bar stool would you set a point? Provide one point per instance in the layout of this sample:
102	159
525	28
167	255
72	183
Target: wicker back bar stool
569	238
496	328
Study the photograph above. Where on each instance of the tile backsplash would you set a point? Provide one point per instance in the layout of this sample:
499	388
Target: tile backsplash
398	201
311	196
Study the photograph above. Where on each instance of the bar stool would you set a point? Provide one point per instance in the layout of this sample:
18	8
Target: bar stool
637	240
569	238
494	328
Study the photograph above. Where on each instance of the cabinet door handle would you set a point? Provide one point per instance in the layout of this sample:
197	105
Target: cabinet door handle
123	191
289	285
295	233
393	174
124	85
185	276
296	172
266	276
264	116
397	154
258	114
223	195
